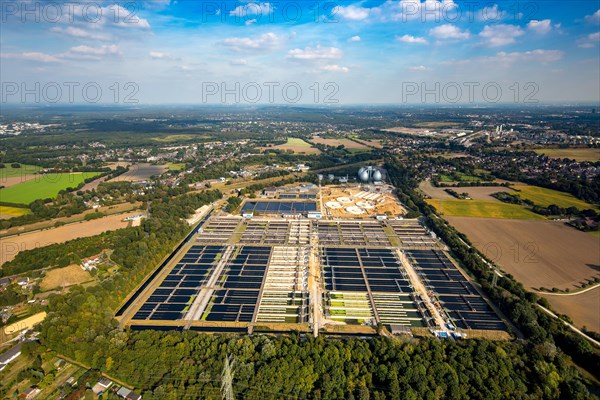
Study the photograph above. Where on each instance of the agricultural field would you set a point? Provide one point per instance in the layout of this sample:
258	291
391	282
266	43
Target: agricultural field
581	308
12	245
482	208
475	192
538	254
11	212
93	185
180	137
63	277
460	178
296	145
43	186
545	197
140	172
348	144
175	166
376	143
575	154
106	210
10	176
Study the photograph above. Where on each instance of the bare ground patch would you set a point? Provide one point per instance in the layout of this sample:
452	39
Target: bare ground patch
475	192
62	277
12	245
537	253
583	309
347	143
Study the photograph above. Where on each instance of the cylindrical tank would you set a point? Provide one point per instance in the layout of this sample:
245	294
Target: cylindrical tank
364	175
377	176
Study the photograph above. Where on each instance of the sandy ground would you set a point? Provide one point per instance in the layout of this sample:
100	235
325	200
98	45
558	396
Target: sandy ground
390	203
140	172
67	276
26	323
12	245
537	253
117	208
584	309
475	192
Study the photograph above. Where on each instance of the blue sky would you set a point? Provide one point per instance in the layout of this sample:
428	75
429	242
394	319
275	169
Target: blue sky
372	51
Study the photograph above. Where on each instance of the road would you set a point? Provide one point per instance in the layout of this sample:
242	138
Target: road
570	293
314	284
573	328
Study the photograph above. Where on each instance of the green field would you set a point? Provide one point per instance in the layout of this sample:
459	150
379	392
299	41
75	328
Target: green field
575	154
462	178
292	141
175	166
42	187
545	197
10	172
482	208
9	212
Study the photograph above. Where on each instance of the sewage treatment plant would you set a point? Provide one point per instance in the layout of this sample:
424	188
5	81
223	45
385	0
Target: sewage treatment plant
282	266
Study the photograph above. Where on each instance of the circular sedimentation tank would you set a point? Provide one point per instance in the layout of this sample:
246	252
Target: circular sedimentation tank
355	210
333	205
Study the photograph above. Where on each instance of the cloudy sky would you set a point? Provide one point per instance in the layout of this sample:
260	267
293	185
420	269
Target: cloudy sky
371	51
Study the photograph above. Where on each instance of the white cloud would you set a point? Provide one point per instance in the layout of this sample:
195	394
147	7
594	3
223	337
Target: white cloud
403	10
118	16
540	27
449	32
594	18
32	56
315	53
501	34
352	13
411	39
536	56
79	33
252	9
93	53
419	68
589	41
239	62
158	55
265	41
491	14
354	39
250	22
335	68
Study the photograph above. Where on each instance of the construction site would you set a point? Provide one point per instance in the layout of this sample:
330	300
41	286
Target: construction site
360	201
275	270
